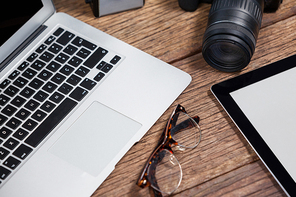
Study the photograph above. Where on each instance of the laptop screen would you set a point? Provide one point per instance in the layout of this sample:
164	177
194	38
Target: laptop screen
14	15
18	20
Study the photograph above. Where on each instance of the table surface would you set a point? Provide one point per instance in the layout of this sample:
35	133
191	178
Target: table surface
223	163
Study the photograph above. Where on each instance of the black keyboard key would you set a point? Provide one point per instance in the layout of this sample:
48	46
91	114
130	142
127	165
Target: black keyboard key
13	123
3	99
5	132
29	73
82	71
51	122
32	57
78	94
115	59
18	101
4	173
39	115
48	106
38	65
70	49
32	105
11	143
27	92
46	56
65	88
20	82
22	114
62	58
20	134
56	97
74	80
14	74
81	42
9	110
41	48
49	87
65	38
22	151
83	53
55	48
101	65
49	40
58	78
67	70
36	83
11	162
99	76
107	68
11	91
88	84
45	75
23	66
4	84
3	153
53	66
30	124
95	57
58	31
40	96
2	120
75	61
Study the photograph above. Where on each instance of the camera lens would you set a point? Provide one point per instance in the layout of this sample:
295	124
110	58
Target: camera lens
230	38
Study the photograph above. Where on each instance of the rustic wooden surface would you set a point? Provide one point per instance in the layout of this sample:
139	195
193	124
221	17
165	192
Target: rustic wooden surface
223	164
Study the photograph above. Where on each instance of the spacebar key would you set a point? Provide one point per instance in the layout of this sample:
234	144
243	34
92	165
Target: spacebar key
51	122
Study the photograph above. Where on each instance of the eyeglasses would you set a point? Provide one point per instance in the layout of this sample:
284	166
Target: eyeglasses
162	170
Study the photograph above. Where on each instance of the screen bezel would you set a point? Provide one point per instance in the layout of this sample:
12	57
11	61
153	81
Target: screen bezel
222	92
27	29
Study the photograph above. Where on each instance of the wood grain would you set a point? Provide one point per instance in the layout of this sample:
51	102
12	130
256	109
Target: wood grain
223	164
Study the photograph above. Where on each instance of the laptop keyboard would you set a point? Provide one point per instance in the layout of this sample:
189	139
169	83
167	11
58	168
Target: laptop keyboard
43	90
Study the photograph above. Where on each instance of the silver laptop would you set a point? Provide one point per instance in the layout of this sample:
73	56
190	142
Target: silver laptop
73	101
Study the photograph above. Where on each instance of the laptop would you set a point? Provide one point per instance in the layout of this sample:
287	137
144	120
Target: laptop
73	101
262	105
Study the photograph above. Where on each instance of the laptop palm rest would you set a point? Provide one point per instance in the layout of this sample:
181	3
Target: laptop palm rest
95	138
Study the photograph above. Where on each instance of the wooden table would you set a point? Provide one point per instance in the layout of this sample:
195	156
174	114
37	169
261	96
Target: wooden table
223	163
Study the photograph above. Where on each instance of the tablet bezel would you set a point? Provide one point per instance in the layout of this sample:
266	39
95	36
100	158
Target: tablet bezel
222	92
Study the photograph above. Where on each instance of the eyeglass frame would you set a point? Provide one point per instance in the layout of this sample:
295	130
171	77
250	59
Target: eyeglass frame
165	142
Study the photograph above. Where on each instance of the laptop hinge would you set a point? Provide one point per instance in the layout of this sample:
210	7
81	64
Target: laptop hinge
16	52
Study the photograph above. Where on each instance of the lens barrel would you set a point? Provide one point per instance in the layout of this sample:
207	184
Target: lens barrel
230	38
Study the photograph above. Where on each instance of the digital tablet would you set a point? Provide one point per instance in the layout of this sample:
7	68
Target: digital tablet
262	104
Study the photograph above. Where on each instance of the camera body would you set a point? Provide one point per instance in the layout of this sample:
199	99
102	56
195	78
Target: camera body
232	30
105	7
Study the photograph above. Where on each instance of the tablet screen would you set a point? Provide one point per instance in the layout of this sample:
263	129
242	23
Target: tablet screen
270	105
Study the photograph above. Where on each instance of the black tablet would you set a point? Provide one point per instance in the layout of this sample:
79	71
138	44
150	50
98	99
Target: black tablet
262	104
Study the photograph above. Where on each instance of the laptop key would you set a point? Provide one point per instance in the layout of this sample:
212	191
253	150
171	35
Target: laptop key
3	99
65	38
32	57
4	84
14	74
50	122
22	151
13	123
4	173
5	132
11	91
81	42
22	114
11	162
11	143
58	32
20	82
2	121
18	101
8	110
30	125
46	56
95	57
78	94
23	66
20	134
29	73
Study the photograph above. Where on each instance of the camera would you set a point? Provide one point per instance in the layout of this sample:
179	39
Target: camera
232	30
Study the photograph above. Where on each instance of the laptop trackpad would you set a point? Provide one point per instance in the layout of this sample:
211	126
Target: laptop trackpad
95	138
